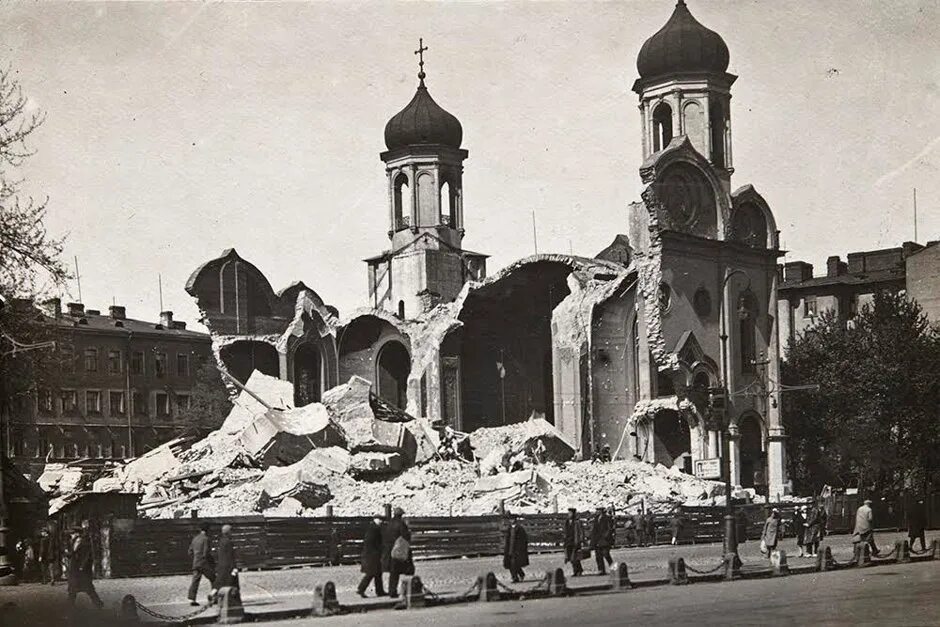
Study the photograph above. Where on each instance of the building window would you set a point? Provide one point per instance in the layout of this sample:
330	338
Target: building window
92	402
163	404
137	362
116	403
91	360
100	451
182	403
662	126
44	401
809	307
747	312
159	365
68	359
140	404
853	306
115	365
182	364
69	402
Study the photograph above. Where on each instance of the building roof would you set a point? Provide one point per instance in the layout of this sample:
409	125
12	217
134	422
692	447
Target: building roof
423	121
866	278
682	45
107	324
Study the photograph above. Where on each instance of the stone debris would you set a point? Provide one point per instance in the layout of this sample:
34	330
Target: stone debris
286	461
273	391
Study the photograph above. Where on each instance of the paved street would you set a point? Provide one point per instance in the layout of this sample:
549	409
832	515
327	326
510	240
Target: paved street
887	595
291	589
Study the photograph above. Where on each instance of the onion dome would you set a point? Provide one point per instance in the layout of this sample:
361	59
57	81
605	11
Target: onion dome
423	121
682	45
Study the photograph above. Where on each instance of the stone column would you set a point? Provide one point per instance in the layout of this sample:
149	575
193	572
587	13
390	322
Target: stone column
712	443
776	463
734	455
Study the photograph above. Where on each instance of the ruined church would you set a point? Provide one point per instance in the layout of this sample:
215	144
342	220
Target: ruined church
662	347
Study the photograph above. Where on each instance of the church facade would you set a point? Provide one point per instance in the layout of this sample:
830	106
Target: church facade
664	346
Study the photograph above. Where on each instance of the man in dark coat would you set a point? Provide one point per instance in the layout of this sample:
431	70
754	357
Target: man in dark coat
516	549
370	562
81	563
201	553
799	526
396	562
225	576
47	557
600	539
574	540
649	522
639	529
916	523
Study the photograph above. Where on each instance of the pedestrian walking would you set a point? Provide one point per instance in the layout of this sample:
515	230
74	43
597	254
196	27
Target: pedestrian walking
639	532
516	549
225	574
864	531
916	523
799	526
649	522
201	553
600	539
81	565
370	562
574	539
771	533
675	524
396	550
47	557
814	522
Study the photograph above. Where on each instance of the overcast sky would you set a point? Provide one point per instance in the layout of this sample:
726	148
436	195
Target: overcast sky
176	130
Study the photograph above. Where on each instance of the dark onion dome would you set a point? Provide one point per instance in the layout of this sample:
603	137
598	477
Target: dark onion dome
423	121
682	45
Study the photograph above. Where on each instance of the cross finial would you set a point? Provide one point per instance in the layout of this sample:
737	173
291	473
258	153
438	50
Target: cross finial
420	52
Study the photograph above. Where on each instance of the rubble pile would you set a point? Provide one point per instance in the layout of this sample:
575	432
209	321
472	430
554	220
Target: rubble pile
355	453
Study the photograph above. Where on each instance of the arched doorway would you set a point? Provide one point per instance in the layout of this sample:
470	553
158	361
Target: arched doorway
672	439
308	374
394	366
753	458
243	357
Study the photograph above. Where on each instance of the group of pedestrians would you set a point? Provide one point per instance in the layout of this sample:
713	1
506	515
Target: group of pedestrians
386	548
218	568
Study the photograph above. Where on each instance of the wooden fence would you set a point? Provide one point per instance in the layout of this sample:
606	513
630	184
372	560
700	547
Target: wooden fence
159	547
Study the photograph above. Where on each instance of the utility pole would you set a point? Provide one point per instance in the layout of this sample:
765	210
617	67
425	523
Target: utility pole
535	236
915	214
78	279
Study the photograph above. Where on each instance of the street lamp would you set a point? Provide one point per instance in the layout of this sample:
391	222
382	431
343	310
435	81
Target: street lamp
730	541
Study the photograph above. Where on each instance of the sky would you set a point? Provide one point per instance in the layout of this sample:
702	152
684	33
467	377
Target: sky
176	130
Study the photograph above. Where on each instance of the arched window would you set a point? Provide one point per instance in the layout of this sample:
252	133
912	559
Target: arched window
401	309
662	126
694	126
402	203
716	115
448	205
747	325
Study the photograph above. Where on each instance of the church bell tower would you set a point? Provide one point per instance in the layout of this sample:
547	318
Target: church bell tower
426	264
685	89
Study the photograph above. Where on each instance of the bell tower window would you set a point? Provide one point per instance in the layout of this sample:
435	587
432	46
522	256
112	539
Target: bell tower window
716	113
662	126
448	205
402	203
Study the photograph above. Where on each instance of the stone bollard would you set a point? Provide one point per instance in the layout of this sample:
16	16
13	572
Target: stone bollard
619	577
231	610
412	592
732	567
934	548
489	591
555	582
128	615
824	559
677	574
324	600
862	555
778	563
902	551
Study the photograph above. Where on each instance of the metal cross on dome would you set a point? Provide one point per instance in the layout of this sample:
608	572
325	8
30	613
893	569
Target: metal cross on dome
420	52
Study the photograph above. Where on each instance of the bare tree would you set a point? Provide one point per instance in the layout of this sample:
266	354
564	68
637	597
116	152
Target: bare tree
30	259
